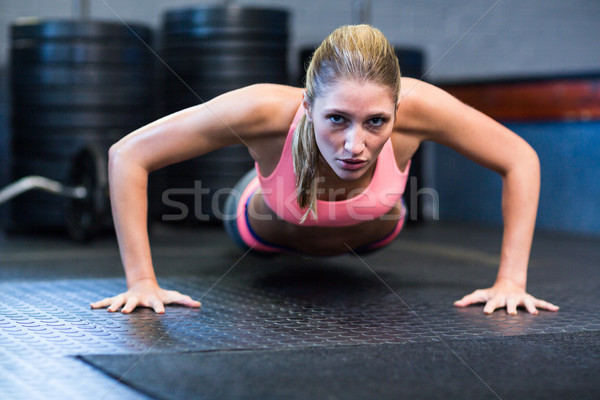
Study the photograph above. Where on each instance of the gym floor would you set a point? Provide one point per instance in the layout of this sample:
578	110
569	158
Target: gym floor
381	326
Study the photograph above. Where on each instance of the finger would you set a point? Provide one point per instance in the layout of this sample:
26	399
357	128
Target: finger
102	303
545	305
530	306
478	296
117	303
174	297
511	306
131	304
185	300
157	305
492	305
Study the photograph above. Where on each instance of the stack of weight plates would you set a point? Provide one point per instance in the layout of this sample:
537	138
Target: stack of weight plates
210	51
72	83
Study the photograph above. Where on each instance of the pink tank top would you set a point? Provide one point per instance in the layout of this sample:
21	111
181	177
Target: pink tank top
382	193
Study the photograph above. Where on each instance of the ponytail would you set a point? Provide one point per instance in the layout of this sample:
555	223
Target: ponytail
306	165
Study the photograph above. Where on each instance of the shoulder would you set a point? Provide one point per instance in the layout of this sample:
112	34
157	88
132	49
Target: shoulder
424	108
265	109
425	113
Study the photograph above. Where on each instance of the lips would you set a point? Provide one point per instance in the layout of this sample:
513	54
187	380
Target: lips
352	163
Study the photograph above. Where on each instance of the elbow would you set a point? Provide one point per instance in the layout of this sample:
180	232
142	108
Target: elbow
118	155
114	153
533	162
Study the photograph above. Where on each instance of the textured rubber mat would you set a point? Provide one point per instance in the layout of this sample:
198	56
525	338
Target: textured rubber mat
397	297
519	367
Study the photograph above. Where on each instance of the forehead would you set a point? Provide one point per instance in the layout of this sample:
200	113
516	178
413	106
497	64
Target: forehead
356	97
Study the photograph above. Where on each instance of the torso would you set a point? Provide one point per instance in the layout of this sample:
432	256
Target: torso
320	240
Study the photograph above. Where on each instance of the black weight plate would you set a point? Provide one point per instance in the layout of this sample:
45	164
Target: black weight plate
203	34
67	133
89	169
84	96
78	121
33	28
57	146
83	119
271	18
128	97
221	62
411	62
233	72
60	75
80	54
225	48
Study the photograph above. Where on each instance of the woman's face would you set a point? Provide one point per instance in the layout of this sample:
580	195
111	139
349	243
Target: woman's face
352	122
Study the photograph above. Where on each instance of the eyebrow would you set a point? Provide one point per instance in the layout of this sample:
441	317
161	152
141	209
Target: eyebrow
382	114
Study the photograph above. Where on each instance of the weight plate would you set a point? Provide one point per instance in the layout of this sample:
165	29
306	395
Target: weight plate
78	119
80	54
228	65
60	75
225	48
55	146
411	62
227	15
87	132
79	97
90	170
33	28
203	34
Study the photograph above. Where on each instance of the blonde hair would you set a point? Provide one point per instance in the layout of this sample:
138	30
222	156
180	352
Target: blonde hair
358	53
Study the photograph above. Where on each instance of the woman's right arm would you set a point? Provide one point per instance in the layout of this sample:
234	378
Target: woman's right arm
244	117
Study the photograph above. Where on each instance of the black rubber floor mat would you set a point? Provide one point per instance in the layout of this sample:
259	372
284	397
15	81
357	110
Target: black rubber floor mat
550	366
274	304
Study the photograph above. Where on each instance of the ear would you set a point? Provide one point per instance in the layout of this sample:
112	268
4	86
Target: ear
307	106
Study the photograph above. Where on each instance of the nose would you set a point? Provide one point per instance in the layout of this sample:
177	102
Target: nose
355	141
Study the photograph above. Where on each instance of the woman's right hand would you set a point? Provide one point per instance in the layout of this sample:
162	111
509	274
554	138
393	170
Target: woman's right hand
145	293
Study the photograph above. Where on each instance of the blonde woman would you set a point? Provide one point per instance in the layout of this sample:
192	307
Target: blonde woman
331	165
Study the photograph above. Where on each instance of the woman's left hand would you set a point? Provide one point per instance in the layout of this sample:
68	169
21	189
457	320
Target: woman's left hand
505	293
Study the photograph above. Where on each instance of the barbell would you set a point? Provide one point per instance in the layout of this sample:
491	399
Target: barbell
87	191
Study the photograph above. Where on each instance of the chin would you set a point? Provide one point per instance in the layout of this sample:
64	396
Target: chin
351	175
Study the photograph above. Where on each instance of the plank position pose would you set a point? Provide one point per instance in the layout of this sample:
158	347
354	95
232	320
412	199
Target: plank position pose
332	161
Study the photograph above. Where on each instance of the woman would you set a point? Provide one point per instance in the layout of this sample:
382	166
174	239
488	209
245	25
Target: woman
331	165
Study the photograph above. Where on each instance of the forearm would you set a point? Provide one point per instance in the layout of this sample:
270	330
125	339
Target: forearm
520	197
128	195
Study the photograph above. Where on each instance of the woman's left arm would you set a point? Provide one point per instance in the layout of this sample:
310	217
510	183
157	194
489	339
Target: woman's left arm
439	117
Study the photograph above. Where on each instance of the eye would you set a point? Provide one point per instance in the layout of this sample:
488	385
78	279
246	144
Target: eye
336	119
377	121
